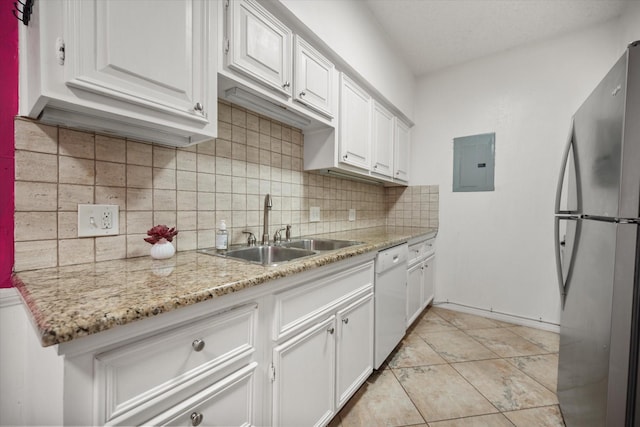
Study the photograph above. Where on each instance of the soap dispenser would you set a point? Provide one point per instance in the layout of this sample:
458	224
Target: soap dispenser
222	237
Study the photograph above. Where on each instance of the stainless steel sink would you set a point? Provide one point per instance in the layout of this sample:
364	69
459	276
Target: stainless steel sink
265	255
319	244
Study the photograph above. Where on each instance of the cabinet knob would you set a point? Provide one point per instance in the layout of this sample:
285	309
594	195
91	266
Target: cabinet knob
286	84
198	107
196	419
398	173
345	320
331	330
303	93
345	157
197	345
375	166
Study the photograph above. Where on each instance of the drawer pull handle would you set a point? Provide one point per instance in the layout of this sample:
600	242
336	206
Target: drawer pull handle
331	330
196	419
197	345
345	320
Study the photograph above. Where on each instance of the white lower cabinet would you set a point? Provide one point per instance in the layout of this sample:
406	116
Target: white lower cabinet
331	354
415	276
420	278
354	348
303	377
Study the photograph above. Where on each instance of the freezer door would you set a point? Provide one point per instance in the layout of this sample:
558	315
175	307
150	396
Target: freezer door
594	358
599	149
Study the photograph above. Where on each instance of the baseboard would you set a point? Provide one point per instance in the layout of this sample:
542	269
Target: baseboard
9	297
505	317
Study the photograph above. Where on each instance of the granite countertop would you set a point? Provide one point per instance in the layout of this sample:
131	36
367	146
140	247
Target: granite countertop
75	301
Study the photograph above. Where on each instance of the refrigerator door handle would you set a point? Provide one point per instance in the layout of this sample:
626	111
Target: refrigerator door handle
563	169
559	247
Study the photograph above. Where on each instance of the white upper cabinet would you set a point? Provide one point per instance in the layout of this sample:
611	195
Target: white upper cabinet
355	124
313	83
260	46
401	155
130	68
383	140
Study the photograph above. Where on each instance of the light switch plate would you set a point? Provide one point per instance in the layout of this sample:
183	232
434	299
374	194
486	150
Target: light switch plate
314	214
98	220
352	214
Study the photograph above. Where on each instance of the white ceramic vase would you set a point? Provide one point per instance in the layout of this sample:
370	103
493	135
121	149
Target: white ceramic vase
162	250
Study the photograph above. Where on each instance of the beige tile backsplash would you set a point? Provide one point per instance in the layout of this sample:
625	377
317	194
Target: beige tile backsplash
192	188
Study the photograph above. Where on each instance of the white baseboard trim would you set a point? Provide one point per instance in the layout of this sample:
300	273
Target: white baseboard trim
9	297
505	317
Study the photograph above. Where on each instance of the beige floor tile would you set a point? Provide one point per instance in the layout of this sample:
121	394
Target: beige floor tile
381	401
505	343
440	393
457	346
548	416
335	422
550	341
468	321
431	322
414	351
542	368
494	420
504	385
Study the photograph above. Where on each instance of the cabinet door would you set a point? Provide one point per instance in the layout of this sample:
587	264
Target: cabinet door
354	361
414	292
428	281
136	52
401	155
259	45
304	383
355	124
382	140
314	78
228	402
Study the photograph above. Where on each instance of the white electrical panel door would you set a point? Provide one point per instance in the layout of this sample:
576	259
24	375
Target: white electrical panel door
383	140
314	78
260	45
143	53
355	124
401	154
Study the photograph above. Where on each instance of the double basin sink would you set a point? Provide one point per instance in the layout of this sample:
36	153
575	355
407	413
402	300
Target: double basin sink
282	252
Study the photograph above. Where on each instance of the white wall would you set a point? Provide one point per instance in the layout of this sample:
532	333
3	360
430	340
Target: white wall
350	29
495	249
630	23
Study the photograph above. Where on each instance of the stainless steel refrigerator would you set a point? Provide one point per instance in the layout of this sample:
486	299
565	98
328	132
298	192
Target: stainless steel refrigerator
598	254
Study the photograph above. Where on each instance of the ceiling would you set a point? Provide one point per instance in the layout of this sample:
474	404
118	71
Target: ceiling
434	34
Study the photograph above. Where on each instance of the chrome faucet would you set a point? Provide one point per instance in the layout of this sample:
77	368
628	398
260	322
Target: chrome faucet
267	207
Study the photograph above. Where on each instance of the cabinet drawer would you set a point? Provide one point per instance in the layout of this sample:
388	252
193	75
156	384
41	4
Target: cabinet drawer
226	403
421	250
137	374
301	305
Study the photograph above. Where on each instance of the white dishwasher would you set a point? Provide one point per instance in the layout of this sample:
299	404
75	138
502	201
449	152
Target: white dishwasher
390	301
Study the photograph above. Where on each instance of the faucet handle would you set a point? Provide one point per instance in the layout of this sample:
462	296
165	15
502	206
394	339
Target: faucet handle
277	236
288	234
251	240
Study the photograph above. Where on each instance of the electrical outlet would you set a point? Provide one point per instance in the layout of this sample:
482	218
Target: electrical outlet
314	214
352	214
98	220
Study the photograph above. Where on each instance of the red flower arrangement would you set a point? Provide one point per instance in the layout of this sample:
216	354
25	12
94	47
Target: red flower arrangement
160	232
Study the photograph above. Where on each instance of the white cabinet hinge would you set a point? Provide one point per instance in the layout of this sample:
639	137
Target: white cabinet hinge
60	50
272	372
226	45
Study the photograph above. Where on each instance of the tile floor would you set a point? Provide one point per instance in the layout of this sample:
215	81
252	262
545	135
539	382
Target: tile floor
459	370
